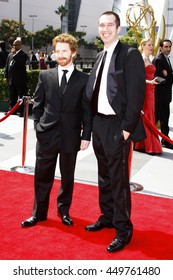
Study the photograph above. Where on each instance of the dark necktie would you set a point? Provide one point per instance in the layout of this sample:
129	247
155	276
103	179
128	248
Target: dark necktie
169	63
94	100
63	82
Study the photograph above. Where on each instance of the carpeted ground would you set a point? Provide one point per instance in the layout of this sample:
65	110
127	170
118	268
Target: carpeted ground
51	240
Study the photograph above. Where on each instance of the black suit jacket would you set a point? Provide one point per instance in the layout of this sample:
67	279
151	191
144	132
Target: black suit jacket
125	88
33	58
71	113
15	70
164	90
3	58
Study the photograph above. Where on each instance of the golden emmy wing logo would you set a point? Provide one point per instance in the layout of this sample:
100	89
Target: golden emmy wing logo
140	17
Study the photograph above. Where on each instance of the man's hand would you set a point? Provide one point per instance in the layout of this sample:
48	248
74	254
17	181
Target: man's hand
84	144
5	81
126	134
165	73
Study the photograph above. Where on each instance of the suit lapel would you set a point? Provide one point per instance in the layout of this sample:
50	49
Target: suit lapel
112	79
55	80
113	58
73	79
92	77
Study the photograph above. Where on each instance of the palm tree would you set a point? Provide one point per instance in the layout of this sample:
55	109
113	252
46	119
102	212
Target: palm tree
62	12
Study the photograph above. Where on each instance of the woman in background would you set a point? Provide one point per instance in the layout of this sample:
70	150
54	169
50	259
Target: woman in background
42	61
151	144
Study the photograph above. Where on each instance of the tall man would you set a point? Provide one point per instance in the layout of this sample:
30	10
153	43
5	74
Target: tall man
15	74
116	122
164	91
62	119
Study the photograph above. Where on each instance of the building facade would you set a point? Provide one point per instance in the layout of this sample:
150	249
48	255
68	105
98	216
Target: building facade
82	14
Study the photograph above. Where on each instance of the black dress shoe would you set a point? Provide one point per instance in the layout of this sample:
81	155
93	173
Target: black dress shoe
31	221
66	219
118	244
167	144
98	226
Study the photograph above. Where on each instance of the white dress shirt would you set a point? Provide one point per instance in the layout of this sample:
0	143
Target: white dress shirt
70	69
103	104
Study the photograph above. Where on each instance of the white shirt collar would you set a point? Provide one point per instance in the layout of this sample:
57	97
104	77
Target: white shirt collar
70	69
17	52
112	47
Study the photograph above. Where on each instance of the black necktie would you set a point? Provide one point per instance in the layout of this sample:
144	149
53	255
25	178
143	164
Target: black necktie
94	100
169	63
63	82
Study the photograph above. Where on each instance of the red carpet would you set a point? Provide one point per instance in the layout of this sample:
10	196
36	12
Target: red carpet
50	240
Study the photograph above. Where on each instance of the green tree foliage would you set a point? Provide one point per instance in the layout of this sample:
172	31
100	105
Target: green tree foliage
62	12
44	37
98	43
80	37
130	39
32	80
9	30
3	87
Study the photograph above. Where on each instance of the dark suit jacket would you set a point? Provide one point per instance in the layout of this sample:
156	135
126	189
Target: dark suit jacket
125	88
15	70
33	62
164	90
33	58
3	58
70	113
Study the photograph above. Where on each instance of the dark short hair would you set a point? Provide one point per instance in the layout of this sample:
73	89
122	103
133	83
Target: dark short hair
165	40
3	45
117	18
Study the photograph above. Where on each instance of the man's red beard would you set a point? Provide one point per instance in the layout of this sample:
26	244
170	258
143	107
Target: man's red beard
62	61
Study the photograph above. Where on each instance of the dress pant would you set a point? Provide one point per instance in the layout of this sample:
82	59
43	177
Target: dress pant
67	169
48	148
164	111
112	153
16	92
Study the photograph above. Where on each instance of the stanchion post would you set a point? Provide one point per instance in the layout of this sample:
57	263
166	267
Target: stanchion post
23	168
25	124
134	187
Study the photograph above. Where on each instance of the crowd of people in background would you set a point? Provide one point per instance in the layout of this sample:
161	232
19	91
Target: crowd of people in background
36	60
41	60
